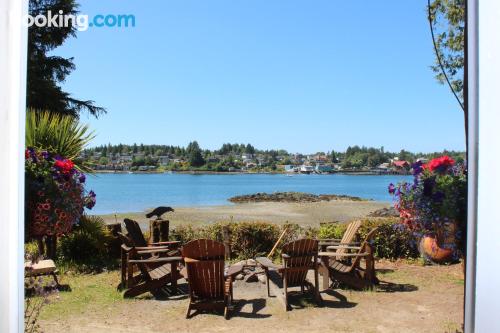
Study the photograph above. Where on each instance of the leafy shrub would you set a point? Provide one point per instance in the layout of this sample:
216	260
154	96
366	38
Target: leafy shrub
31	250
332	230
185	233
247	239
88	246
250	240
392	240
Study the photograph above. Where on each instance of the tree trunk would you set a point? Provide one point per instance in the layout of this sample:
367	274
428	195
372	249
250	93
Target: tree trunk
466	83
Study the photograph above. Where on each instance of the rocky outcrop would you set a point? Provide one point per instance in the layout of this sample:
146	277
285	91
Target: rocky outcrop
291	197
385	212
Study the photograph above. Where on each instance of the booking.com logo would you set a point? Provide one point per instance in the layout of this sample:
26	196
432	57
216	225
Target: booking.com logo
81	21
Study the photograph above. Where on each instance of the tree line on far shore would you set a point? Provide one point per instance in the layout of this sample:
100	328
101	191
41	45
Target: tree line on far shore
246	156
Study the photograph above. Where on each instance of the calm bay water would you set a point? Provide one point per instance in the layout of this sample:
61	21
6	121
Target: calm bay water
137	192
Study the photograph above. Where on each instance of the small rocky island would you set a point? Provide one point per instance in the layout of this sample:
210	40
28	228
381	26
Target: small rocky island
292	197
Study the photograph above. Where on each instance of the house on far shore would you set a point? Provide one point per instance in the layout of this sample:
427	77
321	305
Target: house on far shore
401	166
290	168
247	156
307	169
125	159
321	168
383	168
163	160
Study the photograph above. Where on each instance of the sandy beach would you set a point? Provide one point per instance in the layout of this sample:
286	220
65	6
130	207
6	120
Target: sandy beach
305	214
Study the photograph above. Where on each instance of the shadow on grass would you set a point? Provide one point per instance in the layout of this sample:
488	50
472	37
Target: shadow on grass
257	305
29	292
64	288
342	302
235	310
298	300
390	287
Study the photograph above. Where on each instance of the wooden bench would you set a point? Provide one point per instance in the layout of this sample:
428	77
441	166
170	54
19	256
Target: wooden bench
41	268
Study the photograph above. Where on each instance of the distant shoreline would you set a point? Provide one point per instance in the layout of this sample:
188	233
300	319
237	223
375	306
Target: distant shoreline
196	172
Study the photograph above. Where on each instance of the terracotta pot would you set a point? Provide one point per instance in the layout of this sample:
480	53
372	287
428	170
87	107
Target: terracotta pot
440	247
431	250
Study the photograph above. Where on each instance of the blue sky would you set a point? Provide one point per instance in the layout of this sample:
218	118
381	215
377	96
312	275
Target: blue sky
304	76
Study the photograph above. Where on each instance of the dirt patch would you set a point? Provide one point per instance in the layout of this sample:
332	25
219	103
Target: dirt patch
411	298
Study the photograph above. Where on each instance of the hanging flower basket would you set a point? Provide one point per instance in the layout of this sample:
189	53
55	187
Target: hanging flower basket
55	194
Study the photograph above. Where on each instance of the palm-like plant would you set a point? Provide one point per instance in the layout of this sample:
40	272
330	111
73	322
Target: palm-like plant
59	134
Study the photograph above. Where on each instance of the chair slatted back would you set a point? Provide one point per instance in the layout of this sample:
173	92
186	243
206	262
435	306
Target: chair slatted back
365	247
302	253
204	260
349	234
135	233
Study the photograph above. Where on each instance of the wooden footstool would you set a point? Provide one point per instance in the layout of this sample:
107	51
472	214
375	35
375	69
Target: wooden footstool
41	268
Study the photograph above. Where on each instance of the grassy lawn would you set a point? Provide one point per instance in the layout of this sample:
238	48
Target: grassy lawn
89	292
420	299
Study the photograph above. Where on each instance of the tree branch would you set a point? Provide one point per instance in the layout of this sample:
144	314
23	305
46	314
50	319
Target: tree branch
438	56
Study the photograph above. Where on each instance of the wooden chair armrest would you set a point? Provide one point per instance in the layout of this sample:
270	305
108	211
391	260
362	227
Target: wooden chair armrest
189	260
155	260
342	246
165	243
339	243
347	255
329	240
234	270
150	251
184	273
267	263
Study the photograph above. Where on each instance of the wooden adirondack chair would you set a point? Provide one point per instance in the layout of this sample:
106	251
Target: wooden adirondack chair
210	288
155	274
353	275
157	266
347	240
298	258
138	240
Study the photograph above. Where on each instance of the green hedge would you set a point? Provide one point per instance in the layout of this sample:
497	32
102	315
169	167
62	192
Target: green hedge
90	246
252	239
247	239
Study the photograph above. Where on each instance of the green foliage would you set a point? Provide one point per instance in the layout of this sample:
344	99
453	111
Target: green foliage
88	247
357	157
247	239
194	154
447	18
45	70
185	233
58	134
250	240
392	240
31	250
332	230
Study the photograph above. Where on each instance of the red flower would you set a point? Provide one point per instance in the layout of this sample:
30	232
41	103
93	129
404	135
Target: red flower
64	165
440	164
